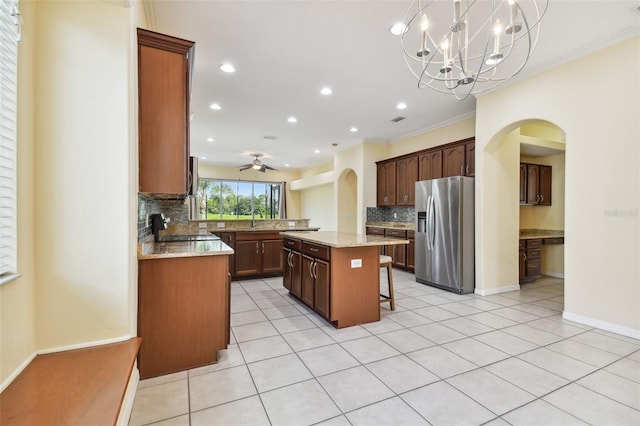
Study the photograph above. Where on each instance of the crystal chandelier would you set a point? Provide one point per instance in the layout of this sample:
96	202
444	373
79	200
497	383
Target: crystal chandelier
480	44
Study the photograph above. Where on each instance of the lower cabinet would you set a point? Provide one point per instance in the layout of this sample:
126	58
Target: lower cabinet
307	275
530	263
403	255
411	251
183	312
257	253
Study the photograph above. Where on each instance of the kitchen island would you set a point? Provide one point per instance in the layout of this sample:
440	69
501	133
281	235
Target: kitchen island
336	274
183	304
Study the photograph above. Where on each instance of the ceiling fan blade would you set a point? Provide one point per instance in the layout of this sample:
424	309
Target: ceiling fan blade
269	167
245	167
263	168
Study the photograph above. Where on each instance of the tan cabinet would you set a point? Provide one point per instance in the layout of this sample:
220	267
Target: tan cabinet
386	184
183	312
163	113
406	177
430	165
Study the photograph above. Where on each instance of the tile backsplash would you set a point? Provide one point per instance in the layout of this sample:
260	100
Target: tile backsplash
176	210
391	214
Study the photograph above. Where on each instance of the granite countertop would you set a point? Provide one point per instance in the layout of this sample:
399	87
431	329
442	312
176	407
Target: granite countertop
531	234
343	239
153	250
259	229
409	226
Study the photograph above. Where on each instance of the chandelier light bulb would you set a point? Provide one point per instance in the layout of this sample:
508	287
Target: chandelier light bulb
424	23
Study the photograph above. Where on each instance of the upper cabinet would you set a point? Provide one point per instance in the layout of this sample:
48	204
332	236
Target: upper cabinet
397	176
535	184
386	183
406	177
164	66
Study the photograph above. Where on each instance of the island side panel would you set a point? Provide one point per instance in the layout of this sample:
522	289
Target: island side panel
182	312
355	292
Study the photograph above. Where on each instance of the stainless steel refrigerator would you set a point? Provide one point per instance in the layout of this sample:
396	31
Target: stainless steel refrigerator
445	234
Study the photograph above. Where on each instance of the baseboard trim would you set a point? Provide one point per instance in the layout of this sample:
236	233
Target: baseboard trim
603	325
17	371
130	395
497	290
84	345
554	274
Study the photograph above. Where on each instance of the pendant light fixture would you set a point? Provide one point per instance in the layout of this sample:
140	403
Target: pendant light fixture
465	47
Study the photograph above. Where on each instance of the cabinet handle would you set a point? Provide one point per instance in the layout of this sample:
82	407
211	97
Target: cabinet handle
467	172
462	170
541	198
525	256
262	248
311	270
257	251
315	269
313	249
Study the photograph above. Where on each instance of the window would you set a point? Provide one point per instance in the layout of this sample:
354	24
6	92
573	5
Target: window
9	36
235	200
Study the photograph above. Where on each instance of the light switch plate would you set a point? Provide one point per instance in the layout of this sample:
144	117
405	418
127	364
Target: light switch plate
220	224
202	225
356	263
292	224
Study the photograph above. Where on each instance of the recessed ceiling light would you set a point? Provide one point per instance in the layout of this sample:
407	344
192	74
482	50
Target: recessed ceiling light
292	119
211	140
203	158
401	105
227	67
215	106
326	91
286	165
353	129
398	28
317	151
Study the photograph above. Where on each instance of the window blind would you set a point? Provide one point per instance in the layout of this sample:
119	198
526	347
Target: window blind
9	35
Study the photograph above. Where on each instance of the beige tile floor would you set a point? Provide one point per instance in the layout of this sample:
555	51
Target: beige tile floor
439	359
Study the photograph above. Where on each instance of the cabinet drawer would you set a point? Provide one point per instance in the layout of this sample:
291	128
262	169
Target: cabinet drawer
533	243
533	253
411	234
316	250
257	236
293	244
551	241
375	231
398	233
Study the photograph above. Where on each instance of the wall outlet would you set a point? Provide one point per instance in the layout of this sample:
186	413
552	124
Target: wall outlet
356	263
291	224
395	215
146	221
202	225
220	224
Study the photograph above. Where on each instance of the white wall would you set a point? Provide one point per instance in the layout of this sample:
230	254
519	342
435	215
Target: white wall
318	205
82	128
602	229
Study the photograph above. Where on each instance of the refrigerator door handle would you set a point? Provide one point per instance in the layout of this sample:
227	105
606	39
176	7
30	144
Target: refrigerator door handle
428	227
432	222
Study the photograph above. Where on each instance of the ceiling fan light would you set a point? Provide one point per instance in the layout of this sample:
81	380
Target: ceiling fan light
256	166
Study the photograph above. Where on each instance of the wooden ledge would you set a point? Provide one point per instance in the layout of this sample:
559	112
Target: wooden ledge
77	387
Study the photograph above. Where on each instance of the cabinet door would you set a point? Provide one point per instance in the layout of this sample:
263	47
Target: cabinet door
399	255
271	256
533	178
247	258
523	183
544	187
296	274
229	239
411	255
287	272
522	264
406	176
470	159
322	296
430	165
453	161
307	293
533	268
386	183
163	113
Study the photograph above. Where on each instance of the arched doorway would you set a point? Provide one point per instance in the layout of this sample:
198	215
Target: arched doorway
347	201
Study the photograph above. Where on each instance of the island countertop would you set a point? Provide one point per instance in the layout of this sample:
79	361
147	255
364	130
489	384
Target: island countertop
160	250
343	239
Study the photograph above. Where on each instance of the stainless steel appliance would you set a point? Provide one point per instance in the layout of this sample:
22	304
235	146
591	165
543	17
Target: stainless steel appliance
445	233
193	188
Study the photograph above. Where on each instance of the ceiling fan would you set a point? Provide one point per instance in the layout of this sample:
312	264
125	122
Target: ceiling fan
256	164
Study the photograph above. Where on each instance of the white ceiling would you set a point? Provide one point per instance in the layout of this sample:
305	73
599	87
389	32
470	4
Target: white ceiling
286	51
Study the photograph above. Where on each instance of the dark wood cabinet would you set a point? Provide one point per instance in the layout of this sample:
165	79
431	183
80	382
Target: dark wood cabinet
398	252
322	294
411	251
470	159
430	165
308	283
291	276
183	312
229	238
163	113
406	177
453	161
386	184
522	261
530	263
258	253
536	184
308	275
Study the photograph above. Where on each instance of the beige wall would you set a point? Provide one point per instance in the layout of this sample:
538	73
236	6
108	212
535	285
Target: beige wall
17	299
82	222
318	205
602	184
451	133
